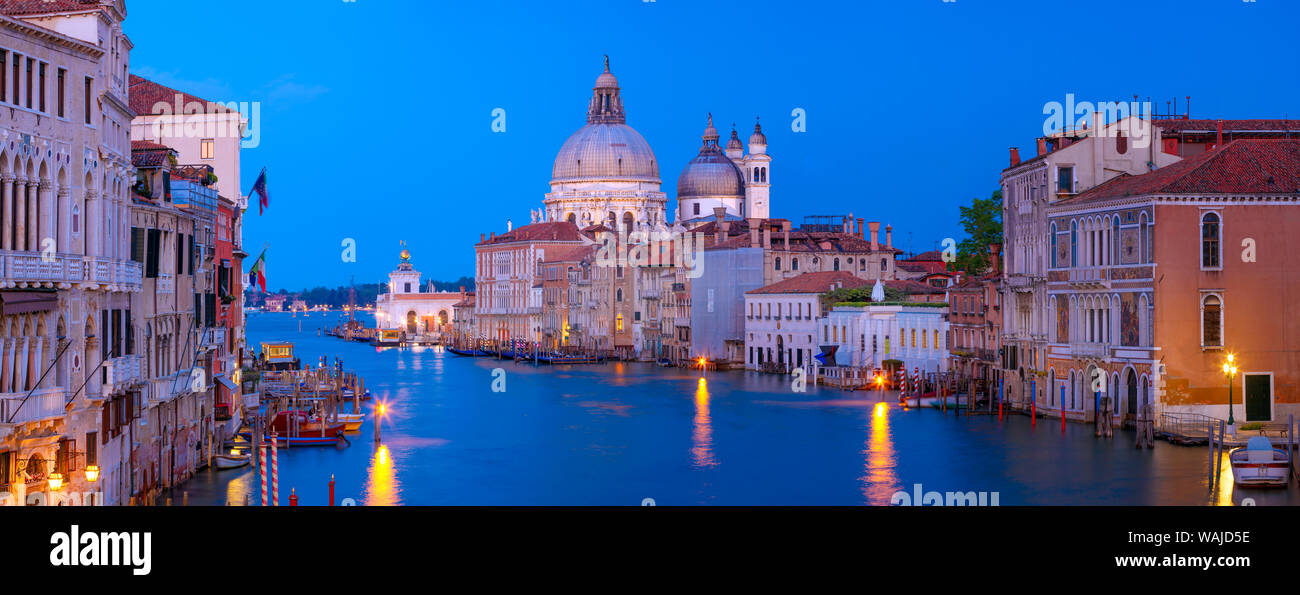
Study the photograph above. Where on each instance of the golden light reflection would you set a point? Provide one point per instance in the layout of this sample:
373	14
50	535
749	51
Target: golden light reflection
702	436
1223	497
240	488
880	477
382	487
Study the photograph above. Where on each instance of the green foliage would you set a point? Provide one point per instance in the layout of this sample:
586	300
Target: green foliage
338	297
982	221
861	294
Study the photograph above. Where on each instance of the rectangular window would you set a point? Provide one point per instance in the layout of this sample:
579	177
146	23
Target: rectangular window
62	93
153	248
42	89
92	449
89	84
1211	322
17	70
1065	180
4	95
31	64
207	148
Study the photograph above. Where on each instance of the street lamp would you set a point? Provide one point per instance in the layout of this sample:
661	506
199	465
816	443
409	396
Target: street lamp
92	473
1230	370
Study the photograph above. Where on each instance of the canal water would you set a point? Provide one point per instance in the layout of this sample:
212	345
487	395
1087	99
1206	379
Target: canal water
622	433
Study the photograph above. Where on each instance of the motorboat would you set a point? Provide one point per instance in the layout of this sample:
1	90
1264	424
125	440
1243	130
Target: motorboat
1260	464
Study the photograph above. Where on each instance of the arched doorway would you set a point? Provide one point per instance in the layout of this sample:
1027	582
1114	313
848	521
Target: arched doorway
780	350
627	222
411	322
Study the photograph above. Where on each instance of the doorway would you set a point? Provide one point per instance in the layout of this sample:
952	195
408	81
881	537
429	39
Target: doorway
1258	391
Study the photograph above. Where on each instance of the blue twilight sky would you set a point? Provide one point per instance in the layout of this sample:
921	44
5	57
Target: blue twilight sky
376	114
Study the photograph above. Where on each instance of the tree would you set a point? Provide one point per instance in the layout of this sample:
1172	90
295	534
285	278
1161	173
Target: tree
982	221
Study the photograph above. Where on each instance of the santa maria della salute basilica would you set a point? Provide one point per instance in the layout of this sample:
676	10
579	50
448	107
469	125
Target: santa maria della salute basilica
606	173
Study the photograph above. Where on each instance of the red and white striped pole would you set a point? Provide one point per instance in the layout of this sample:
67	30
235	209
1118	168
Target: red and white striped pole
261	455
916	383
275	471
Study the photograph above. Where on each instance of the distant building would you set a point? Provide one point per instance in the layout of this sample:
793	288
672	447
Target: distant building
417	313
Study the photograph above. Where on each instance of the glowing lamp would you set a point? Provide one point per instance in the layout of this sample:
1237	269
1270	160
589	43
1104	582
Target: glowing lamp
56	481
92	473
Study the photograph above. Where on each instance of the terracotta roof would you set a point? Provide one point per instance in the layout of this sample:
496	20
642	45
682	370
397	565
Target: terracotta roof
1246	166
801	241
1233	125
568	254
550	231
145	94
927	256
30	7
814	283
149	154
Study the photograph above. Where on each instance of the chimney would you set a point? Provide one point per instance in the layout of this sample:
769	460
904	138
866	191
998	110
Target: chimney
1218	139
785	231
753	232
844	226
859	227
1015	156
494	236
719	213
482	237
462	289
995	258
875	234
767	236
850	230
1042	147
889	236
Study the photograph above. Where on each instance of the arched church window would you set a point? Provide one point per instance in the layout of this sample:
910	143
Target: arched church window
764	175
794	264
778	263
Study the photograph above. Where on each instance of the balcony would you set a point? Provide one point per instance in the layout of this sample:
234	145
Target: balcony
212	337
166	388
1090	278
166	284
1093	350
31	269
43	404
120	374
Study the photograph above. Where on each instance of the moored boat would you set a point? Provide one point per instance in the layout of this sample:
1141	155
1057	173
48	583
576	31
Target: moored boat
230	461
1259	464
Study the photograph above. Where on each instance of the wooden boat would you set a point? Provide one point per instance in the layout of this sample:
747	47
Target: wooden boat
557	359
665	363
311	431
230	461
351	421
468	352
1259	464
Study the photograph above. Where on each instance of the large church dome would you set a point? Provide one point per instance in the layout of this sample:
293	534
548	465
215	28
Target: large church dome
711	173
606	148
605	151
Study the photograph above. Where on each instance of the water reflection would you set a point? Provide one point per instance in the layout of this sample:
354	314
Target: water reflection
880	479
702	437
240	488
382	487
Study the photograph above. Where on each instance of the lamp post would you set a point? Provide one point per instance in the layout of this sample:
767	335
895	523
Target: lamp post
1230	370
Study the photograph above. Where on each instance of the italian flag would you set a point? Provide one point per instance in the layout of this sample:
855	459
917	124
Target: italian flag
257	274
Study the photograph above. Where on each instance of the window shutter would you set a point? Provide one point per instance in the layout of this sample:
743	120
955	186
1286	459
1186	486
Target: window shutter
138	244
103	334
130	333
180	253
152	255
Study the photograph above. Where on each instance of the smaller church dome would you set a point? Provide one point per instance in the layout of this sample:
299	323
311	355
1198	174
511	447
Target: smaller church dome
734	142
758	138
711	172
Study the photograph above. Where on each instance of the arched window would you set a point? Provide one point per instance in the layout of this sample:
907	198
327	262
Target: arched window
1074	243
755	174
778	263
884	265
794	264
1211	321
618	295
1143	233
1210	241
1115	257
618	322
837	264
764	176
573	219
1053	245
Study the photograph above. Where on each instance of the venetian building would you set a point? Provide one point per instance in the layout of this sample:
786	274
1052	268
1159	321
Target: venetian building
606	172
